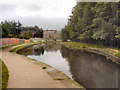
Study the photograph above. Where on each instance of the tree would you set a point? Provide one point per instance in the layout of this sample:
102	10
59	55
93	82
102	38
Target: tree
64	35
5	31
39	33
12	26
27	35
94	22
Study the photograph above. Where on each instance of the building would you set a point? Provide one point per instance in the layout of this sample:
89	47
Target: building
52	33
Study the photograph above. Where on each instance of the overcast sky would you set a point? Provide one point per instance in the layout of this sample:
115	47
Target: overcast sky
48	14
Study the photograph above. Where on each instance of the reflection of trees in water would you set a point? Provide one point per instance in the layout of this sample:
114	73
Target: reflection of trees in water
64	52
26	51
38	51
91	70
52	46
32	51
40	48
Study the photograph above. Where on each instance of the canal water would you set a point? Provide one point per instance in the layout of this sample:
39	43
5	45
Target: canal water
88	69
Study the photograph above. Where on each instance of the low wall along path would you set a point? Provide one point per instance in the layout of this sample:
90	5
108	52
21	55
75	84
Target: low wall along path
11	41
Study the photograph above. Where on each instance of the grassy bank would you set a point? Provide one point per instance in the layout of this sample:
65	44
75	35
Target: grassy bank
28	44
10	46
5	75
82	46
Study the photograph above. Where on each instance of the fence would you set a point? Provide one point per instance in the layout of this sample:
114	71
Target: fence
10	41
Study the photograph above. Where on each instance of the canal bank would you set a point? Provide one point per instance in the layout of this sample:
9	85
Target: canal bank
112	54
23	73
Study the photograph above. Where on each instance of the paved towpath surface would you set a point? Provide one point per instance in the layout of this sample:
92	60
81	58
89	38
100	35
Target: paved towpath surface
25	74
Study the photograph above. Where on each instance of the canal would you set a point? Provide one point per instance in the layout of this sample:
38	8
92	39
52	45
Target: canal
88	69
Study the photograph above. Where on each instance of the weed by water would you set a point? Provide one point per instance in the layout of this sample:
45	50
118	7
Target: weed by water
44	68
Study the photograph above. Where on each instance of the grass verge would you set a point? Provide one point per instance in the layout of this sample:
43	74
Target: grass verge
81	46
5	75
10	46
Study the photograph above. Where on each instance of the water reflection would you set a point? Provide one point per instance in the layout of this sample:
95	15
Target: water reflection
40	48
92	70
89	69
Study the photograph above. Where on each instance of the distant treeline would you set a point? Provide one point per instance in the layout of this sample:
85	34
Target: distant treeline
94	22
15	29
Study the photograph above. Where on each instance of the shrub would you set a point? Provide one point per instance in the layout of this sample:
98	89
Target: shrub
10	35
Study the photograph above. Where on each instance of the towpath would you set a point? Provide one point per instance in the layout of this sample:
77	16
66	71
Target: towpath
25	74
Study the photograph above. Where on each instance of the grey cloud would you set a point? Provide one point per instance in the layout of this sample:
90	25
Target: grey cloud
8	13
7	7
32	7
7	10
45	23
